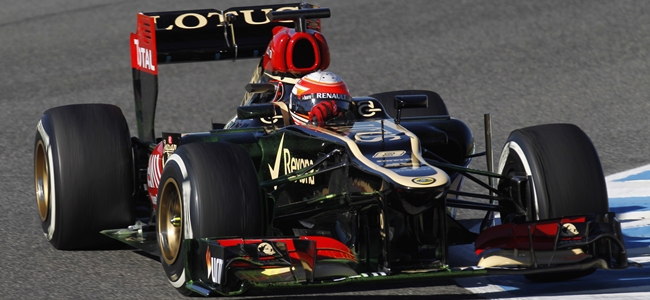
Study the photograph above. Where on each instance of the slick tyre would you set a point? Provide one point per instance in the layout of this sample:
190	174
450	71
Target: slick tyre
83	174
567	177
207	190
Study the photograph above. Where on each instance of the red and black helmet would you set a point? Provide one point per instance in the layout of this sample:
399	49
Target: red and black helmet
318	97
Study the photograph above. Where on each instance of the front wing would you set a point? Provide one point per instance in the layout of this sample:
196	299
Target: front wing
230	266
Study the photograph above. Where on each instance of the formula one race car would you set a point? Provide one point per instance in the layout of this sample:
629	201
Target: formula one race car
263	201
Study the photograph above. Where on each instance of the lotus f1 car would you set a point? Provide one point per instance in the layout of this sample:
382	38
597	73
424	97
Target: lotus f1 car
260	201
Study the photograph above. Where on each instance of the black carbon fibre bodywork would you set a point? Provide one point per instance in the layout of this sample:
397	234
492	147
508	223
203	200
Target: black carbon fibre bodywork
382	180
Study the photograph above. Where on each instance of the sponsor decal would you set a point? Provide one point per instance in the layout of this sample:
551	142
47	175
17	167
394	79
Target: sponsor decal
215	267
154	171
291	164
367	109
569	230
201	19
423	180
153	177
144	57
143	46
171	142
373	137
403	168
394	160
372	133
325	96
384	154
275	170
266	249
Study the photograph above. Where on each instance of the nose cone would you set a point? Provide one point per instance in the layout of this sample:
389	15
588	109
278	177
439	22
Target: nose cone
415	201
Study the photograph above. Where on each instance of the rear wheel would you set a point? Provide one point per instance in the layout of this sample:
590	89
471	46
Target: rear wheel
567	178
83	175
207	190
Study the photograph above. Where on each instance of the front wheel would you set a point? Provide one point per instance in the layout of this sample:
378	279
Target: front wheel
567	178
207	190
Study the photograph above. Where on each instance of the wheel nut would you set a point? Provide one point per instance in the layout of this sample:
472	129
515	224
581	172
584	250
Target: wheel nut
176	221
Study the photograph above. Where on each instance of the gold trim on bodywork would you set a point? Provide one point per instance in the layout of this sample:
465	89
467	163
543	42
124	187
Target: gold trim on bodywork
286	118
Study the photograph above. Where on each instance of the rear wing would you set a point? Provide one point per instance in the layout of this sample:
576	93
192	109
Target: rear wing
203	35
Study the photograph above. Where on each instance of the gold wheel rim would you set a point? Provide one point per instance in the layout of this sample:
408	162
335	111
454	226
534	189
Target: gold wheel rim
170	223
41	181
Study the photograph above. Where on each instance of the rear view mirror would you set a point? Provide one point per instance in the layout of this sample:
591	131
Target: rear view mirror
409	101
258	88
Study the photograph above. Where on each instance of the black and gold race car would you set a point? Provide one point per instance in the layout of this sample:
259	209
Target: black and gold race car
261	201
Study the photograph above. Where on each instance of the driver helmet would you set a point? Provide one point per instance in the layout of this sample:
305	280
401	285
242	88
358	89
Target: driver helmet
318	97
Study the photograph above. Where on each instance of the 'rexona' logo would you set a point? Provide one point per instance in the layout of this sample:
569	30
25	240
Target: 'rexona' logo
144	57
291	164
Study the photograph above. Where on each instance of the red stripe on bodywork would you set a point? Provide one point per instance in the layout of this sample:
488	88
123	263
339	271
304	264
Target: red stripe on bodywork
518	236
326	247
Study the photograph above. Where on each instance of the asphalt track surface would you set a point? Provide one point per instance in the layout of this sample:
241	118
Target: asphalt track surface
525	62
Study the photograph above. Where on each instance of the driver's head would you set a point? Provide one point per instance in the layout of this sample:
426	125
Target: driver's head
318	97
